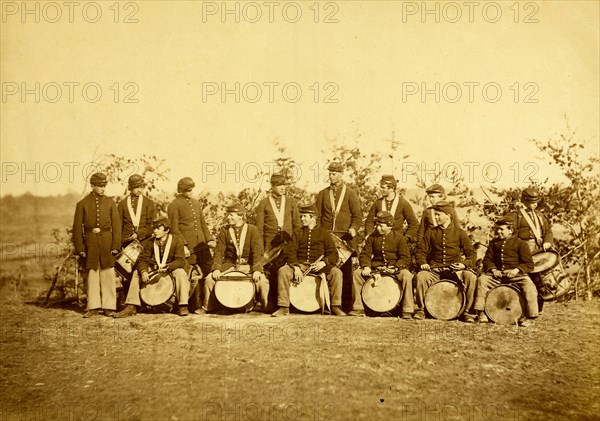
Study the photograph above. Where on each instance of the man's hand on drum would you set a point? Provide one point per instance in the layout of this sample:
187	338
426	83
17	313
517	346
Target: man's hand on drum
133	236
114	252
298	274
366	272
511	273
212	244
256	276
547	246
317	266
216	274
352	232
145	277
82	254
425	266
458	266
163	269
186	251
496	273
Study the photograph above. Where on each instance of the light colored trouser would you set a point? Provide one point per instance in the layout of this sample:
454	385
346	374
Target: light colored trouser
523	283
286	274
182	288
210	300
406	290
102	289
424	279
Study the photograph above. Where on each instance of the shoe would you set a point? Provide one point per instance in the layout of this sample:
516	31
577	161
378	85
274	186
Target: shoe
386	314
129	310
110	313
91	313
407	316
419	315
199	311
337	311
526	322
357	313
183	311
467	318
281	311
482	318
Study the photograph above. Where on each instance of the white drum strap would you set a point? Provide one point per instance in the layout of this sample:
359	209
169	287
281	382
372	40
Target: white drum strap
324	293
279	213
336	209
535	226
162	262
433	218
137	215
394	205
239	246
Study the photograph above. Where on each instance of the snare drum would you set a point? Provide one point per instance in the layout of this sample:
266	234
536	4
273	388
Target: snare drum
158	290
127	258
445	299
235	289
306	296
544	261
381	295
344	250
505	305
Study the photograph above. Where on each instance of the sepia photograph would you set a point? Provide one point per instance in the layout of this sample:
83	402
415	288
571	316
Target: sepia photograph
302	210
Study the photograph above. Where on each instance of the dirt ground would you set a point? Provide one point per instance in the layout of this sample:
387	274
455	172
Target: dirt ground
55	365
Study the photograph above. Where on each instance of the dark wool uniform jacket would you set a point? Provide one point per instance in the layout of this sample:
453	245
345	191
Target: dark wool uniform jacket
175	258
91	212
388	250
440	247
508	254
308	245
404	212
427	221
266	222
350	215
524	231
187	222
145	228
226	255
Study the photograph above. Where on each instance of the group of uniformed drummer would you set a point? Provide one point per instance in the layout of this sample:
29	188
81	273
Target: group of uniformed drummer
306	234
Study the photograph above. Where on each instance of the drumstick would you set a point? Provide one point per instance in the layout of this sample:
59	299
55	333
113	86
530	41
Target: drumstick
309	267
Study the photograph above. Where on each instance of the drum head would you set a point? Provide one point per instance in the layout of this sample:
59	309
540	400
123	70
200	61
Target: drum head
505	305
344	251
158	290
544	261
381	295
445	300
128	257
234	289
305	295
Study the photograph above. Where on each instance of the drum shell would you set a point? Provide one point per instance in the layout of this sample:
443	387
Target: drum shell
305	295
382	295
445	299
505	304
127	258
235	293
555	283
344	251
158	290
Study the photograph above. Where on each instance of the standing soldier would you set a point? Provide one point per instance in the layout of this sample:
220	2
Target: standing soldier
387	248
277	218
136	212
535	229
97	238
338	209
435	194
400	209
188	223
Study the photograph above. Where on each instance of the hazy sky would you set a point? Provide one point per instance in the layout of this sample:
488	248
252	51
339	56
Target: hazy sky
77	85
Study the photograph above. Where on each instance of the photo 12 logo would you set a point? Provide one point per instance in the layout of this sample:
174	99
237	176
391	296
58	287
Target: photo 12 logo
269	12
455	92
53	92
469	12
69	12
271	92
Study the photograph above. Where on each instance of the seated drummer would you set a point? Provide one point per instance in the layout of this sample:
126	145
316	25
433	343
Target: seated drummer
507	261
164	254
439	255
308	244
239	247
387	249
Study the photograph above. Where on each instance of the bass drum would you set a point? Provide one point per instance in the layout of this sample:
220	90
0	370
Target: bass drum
306	296
235	289
445	299
381	295
158	290
505	305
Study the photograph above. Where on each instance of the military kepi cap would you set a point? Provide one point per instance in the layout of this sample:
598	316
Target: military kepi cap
307	208
389	180
336	167
384	217
185	184
435	188
278	180
235	207
530	194
506	220
161	221
136	181
443	206
98	179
